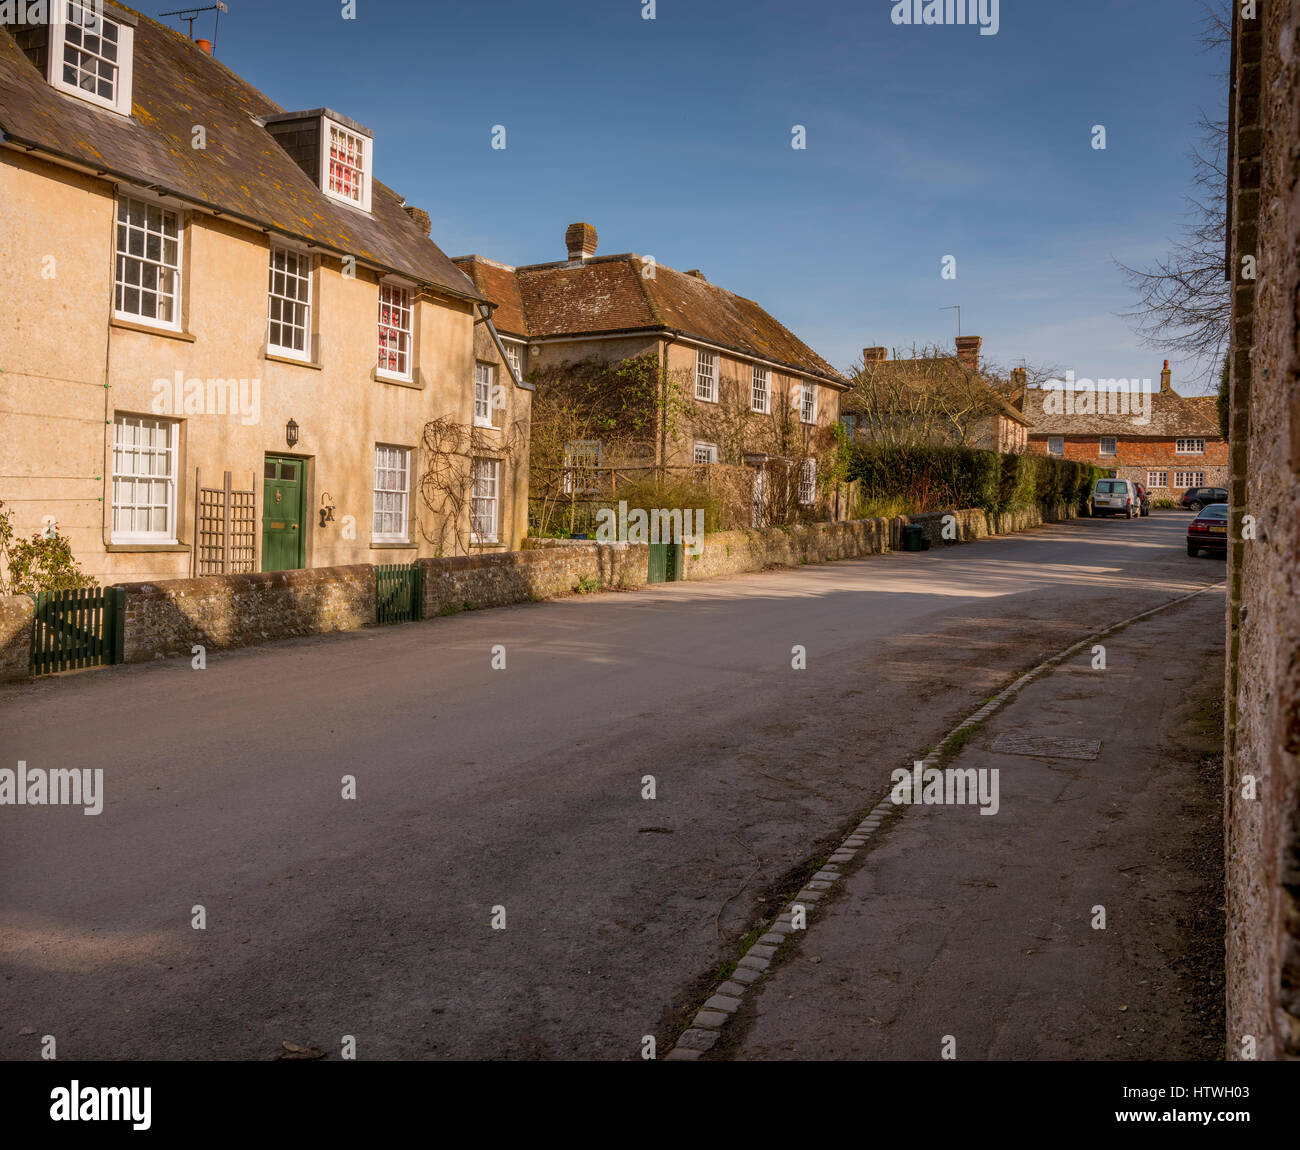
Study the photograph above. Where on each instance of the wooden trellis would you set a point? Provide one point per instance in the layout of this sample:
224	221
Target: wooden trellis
225	528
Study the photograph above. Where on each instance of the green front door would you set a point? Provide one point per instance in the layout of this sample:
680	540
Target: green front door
282	532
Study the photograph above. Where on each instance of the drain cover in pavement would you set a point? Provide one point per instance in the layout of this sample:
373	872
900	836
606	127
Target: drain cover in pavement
1048	746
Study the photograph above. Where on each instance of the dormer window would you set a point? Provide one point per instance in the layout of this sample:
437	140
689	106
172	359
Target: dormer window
347	165
90	54
335	152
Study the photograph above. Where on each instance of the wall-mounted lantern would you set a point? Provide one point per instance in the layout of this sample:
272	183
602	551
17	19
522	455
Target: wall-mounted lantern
291	433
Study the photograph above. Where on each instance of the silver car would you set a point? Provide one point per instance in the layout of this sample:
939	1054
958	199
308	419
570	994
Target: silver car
1116	497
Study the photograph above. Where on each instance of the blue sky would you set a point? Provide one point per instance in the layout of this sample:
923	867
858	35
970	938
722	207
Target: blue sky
673	137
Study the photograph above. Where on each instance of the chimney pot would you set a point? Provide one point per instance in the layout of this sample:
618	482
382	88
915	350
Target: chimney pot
968	350
580	240
875	354
204	46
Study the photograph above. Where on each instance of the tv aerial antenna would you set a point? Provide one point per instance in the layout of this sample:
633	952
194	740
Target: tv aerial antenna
192	14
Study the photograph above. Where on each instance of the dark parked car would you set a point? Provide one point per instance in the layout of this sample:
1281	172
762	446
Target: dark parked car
1144	499
1194	498
1209	531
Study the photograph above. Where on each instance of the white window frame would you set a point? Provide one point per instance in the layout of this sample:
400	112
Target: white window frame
1056	445
706	374
514	354
363	202
169	453
58	28
484	376
391	460
708	450
808	481
125	198
1189	447
279	349
581	458
760	393
807	402
490	503
1157	479
405	336
1114	446
1186	480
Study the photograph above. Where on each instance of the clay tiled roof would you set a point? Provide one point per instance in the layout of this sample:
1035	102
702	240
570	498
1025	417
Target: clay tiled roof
243	172
611	294
1173	416
497	283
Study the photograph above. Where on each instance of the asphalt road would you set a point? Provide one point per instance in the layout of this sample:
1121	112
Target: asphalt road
518	788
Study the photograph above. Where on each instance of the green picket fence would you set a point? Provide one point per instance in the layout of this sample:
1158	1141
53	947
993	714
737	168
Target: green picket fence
398	593
80	627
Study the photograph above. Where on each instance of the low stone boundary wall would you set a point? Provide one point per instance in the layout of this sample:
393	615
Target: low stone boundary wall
16	615
975	523
222	611
498	578
734	552
169	617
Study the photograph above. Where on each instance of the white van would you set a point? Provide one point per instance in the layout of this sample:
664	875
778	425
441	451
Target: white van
1116	497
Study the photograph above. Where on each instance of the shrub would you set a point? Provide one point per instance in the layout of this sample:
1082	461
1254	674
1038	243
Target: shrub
882	507
927	478
650	494
919	479
41	563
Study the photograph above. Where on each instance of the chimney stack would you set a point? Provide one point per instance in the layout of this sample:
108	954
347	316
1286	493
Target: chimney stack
875	354
204	46
421	217
1019	378
968	351
1166	387
580	240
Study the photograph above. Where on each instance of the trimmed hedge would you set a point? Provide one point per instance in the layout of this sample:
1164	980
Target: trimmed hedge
943	478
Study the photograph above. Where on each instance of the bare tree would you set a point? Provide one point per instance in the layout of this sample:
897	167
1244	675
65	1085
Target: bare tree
930	397
446	484
588	418
794	449
1010	380
1184	300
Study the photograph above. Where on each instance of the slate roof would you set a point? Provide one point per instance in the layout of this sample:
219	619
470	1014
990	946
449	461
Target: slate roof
242	173
1173	416
609	294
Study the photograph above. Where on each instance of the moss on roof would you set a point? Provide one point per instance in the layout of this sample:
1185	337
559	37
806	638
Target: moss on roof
242	172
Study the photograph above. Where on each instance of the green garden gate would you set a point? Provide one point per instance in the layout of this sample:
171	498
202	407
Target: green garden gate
79	627
398	593
664	563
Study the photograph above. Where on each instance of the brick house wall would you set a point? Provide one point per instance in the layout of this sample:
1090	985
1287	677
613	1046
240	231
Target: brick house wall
1135	457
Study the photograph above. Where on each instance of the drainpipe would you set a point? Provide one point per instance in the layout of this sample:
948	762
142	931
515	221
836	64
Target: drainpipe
106	452
485	311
